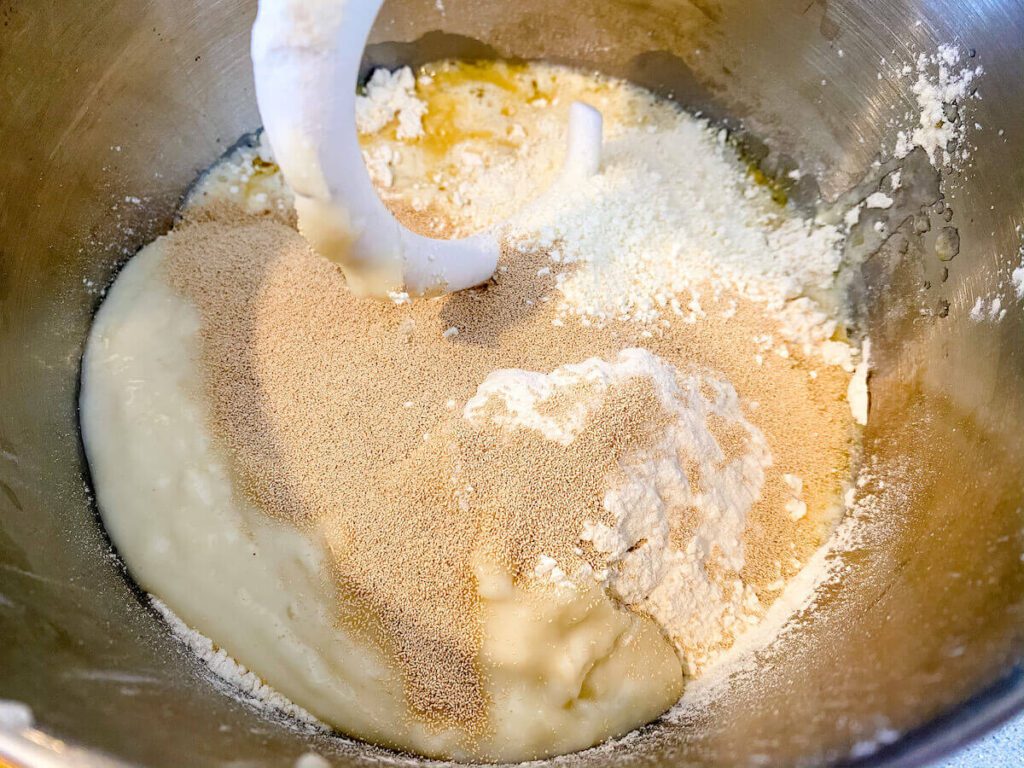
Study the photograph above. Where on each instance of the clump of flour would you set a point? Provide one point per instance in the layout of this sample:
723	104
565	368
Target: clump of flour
678	507
391	96
944	84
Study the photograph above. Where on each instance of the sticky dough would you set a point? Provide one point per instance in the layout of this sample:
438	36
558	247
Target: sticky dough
562	669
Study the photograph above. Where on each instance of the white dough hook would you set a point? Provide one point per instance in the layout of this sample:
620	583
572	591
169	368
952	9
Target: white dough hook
306	57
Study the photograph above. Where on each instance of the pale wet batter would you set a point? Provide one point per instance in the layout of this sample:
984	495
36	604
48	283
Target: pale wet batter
505	523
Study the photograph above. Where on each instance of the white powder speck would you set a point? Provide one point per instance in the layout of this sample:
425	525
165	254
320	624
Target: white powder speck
399	297
977	313
547	570
795	505
995	310
857	394
450	333
987	308
797	509
1017	278
868	747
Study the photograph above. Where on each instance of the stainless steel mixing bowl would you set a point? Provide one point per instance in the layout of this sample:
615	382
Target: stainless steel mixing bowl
109	111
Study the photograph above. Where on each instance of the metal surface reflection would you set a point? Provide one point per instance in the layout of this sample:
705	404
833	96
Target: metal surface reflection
114	100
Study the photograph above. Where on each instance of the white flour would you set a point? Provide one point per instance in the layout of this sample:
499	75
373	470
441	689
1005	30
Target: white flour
987	308
390	96
1017	279
857	392
672	215
878	200
943	85
311	760
684	591
240	679
548	570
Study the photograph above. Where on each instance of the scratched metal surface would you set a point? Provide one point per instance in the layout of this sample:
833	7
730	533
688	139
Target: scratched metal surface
108	100
1003	748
